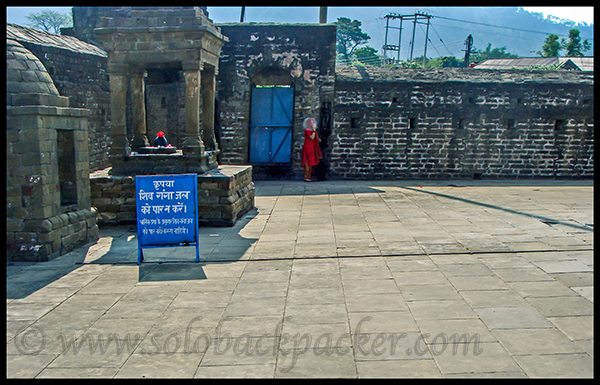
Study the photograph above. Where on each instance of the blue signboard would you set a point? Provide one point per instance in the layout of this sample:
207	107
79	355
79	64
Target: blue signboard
167	212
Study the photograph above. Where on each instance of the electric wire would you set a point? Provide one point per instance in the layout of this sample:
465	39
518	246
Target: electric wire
503	27
438	35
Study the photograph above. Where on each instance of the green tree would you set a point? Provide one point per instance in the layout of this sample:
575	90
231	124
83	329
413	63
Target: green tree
48	20
444	62
349	36
574	46
551	46
367	56
492	53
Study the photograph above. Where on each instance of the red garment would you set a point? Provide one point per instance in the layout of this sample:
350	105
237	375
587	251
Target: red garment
311	152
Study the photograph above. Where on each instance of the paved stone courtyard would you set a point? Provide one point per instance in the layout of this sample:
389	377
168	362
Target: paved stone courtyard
462	278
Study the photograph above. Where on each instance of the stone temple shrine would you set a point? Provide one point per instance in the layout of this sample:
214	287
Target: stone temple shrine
161	39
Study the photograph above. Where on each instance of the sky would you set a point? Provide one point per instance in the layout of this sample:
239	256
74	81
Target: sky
578	14
17	15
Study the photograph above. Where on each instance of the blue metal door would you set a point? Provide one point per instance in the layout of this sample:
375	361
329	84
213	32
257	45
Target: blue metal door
271	114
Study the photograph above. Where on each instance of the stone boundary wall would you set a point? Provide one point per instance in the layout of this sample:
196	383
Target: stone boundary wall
224	195
451	123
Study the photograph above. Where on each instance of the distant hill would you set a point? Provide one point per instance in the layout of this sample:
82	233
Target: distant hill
453	33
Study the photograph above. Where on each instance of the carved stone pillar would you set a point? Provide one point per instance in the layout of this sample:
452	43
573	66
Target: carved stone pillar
118	97
140	139
192	145
208	108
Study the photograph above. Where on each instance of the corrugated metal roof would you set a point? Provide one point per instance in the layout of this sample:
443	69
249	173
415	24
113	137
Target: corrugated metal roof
581	63
33	36
521	62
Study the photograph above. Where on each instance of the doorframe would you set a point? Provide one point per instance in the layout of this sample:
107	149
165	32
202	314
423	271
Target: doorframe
253	85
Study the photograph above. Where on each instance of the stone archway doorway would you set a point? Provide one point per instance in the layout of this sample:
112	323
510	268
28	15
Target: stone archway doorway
271	118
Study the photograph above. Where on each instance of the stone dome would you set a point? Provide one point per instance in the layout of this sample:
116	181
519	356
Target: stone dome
25	73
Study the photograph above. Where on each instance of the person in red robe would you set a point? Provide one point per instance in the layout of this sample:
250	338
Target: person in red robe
311	152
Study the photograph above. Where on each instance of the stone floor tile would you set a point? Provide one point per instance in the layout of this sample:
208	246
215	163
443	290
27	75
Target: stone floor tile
429	292
78	373
575	279
420	278
586	292
523	275
241	350
475	282
492	298
317	332
370	286
421	368
382	322
251	325
309	295
441	309
313	362
315	313
375	302
513	318
25	311
236	371
174	365
536	341
468	269
365	272
190	299
27	366
565	266
255	306
407	264
470	330
557	365
390	346
542	289
562	306
487	357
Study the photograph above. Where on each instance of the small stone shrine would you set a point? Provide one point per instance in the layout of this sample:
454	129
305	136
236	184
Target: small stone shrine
48	209
138	39
169	40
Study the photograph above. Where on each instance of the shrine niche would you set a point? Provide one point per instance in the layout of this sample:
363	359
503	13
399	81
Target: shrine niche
162	42
48	206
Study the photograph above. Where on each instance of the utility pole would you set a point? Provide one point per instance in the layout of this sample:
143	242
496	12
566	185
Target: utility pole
426	38
468	49
243	14
412	41
322	15
417	18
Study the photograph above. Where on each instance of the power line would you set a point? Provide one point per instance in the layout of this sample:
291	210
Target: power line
499	26
438	35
